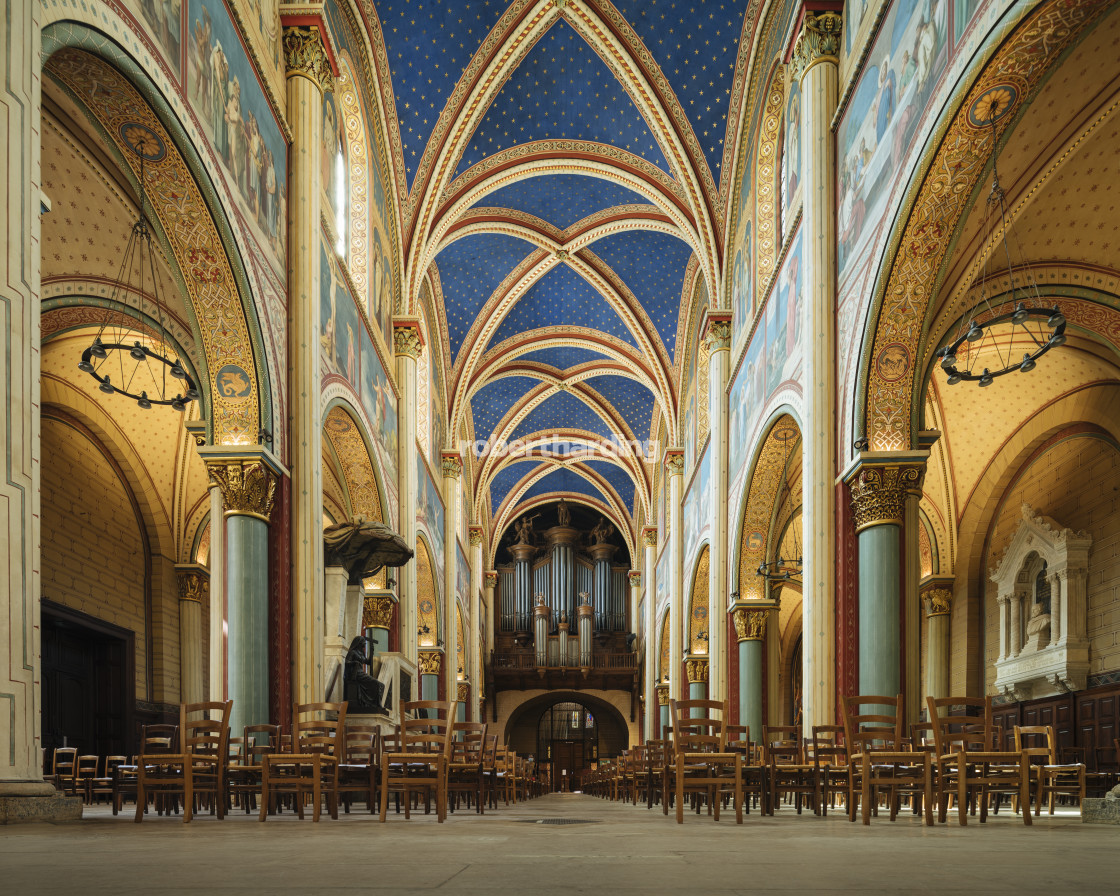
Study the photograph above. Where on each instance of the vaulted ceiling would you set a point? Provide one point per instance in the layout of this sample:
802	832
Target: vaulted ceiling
564	164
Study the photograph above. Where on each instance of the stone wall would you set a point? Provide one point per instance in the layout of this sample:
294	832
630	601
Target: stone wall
92	550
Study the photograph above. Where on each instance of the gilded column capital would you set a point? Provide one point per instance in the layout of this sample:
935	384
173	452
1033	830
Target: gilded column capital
248	485
451	462
879	492
491	580
750	625
819	41
649	536
463	692
674	461
635	576
430	662
940	602
377	612
697	670
194	582
408	339
663	695
474	535
718	333
305	56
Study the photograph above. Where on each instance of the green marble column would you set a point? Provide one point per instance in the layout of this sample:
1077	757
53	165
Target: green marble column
750	631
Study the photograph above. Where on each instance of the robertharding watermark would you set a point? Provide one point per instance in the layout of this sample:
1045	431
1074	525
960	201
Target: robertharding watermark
563	448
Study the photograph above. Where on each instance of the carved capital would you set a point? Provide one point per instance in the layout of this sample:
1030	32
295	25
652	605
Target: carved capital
663	695
750	625
407	337
674	461
649	536
718	335
377	612
430	662
474	534
879	492
248	486
819	42
194	583
452	464
463	692
306	56
491	580
940	601
635	576
697	670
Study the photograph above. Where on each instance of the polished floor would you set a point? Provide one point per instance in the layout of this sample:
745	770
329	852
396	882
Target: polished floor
603	848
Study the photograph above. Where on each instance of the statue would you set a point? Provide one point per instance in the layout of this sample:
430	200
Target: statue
362	547
563	514
1038	628
359	687
602	531
524	529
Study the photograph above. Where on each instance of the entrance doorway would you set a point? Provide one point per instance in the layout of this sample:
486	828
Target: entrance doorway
568	740
88	679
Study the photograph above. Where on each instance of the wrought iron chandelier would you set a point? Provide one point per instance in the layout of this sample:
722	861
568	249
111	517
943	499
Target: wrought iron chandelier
126	357
785	569
1018	328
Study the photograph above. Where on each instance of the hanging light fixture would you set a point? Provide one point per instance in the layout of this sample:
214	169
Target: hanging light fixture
785	569
1013	333
126	358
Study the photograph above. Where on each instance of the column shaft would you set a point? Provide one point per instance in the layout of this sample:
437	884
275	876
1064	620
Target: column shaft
193	585
305	114
652	640
217	595
719	358
750	687
474	648
815	60
452	465
674	469
408	346
879	601
247	589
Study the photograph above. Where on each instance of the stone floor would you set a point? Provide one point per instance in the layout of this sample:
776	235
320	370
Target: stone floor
604	848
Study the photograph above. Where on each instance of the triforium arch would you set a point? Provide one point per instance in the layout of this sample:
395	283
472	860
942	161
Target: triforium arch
119	96
698	631
429	599
350	445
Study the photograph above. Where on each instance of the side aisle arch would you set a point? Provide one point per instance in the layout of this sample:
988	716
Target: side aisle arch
134	118
355	456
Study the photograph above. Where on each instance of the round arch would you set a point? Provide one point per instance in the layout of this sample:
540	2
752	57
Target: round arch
521	727
353	448
429	601
121	98
698	622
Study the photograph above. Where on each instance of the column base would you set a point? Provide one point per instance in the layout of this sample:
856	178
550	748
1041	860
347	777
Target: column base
22	802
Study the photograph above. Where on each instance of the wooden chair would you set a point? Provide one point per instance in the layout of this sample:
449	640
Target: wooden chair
490	770
312	770
158	775
1038	742
360	770
102	785
789	772
464	771
877	760
84	773
257	741
756	782
204	728
829	755
701	763
420	766
967	764
198	767
64	766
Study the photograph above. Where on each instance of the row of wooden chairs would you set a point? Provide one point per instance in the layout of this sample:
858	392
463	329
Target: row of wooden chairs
868	761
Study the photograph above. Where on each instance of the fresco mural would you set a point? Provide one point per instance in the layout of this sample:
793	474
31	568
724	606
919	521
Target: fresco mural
791	151
462	577
164	19
906	60
773	356
742	292
694	515
330	148
963	13
236	116
381	406
429	512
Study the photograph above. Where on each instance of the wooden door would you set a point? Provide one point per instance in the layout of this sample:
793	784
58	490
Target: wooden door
567	764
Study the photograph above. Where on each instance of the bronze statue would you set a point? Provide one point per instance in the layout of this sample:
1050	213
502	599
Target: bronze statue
524	529
602	531
563	514
362	547
359	687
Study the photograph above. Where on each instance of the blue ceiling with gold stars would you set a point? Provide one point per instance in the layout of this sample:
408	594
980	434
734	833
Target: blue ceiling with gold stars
561	96
564	480
561	199
562	91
